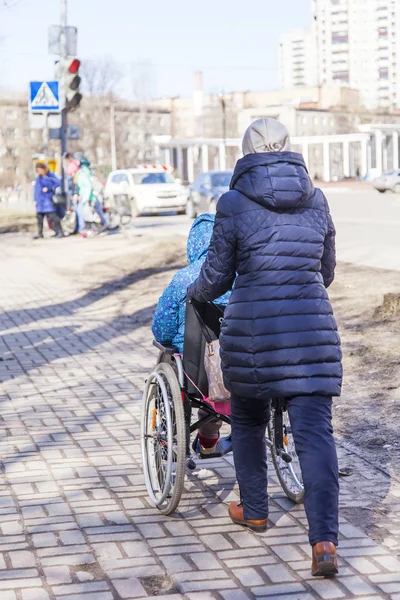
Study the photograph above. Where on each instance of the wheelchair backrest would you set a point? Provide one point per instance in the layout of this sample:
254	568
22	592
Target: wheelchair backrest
195	342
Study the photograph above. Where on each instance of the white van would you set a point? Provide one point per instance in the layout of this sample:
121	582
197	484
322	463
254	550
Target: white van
149	189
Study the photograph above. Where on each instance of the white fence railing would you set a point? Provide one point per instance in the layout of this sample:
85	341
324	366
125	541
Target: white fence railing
19	201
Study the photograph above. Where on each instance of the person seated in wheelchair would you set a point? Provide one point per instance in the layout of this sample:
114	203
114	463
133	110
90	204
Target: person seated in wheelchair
169	318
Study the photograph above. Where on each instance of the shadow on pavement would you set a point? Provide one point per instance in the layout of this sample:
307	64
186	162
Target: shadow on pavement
18	318
31	349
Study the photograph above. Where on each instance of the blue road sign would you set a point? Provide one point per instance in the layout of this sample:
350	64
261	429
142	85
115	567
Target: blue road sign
44	96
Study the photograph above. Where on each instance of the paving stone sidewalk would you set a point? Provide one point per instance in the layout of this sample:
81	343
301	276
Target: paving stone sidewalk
75	521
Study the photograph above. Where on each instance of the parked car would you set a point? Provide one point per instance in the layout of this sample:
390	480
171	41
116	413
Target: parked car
388	181
147	190
206	190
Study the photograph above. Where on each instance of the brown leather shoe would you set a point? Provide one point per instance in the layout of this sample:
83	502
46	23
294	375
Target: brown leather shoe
324	560
236	514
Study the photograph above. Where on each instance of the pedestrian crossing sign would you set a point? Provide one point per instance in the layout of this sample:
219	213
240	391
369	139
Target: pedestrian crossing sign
44	96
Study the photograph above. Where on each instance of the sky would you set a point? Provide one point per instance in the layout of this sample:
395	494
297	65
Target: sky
235	43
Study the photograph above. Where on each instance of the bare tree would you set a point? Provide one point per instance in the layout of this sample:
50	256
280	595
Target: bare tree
143	80
4	4
8	3
100	77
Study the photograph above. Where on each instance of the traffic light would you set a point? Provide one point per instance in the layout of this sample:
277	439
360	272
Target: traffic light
73	96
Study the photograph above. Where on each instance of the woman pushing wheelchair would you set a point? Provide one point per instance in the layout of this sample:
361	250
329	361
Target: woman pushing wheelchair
274	237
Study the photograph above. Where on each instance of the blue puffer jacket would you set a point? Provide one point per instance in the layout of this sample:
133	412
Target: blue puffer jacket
43	200
279	336
170	315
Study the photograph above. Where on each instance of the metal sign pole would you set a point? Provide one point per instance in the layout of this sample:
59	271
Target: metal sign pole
46	136
64	120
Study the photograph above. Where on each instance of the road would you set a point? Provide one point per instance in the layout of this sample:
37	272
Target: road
367	224
368	227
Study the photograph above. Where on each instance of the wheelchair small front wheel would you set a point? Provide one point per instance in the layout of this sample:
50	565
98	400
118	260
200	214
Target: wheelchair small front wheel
113	219
284	456
68	222
163	439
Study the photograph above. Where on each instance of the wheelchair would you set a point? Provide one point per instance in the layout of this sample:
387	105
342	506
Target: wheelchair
178	385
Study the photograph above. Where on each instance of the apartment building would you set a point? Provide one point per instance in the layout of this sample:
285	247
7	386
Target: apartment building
298	59
356	43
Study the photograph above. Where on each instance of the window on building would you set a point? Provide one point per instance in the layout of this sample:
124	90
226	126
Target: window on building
383	73
341	76
10	115
11	134
340	38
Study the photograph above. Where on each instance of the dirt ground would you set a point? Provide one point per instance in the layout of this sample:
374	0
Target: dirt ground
17	222
367	415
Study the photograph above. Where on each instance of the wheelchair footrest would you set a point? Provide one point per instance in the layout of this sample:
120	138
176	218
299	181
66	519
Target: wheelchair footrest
224	446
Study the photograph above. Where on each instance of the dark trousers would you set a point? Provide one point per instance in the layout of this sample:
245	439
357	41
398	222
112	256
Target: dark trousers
311	420
60	210
52	219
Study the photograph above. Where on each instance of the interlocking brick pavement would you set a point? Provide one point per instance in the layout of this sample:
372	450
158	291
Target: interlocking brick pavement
75	520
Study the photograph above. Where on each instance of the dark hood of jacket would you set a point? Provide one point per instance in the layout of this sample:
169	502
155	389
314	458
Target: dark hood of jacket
273	179
84	162
200	237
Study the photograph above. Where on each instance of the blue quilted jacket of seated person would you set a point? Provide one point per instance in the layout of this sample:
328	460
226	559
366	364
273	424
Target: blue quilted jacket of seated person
169	318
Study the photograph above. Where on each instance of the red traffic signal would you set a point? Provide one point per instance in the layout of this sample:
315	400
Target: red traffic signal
67	71
73	96
74	65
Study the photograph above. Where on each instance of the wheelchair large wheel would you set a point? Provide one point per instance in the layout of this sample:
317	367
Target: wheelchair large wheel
163	439
284	456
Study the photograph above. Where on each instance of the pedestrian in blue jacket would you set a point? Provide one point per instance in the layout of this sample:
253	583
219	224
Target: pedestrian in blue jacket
273	232
169	318
45	187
